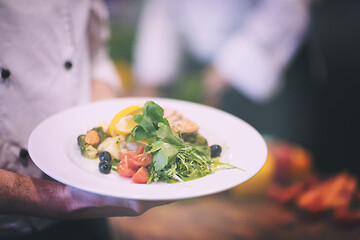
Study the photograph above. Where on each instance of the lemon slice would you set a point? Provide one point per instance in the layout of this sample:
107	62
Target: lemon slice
123	122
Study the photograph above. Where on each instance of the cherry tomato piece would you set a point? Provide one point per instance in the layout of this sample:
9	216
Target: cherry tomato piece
140	150
141	176
128	154
140	160
124	169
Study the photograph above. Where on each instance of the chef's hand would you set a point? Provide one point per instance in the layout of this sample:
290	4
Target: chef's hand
84	204
25	195
101	90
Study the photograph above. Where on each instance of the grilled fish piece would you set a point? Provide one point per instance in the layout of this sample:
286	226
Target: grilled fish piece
179	123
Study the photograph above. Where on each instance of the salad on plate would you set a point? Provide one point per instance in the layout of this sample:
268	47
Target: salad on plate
150	144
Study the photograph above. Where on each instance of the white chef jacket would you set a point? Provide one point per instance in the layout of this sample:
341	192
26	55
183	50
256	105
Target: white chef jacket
49	52
249	42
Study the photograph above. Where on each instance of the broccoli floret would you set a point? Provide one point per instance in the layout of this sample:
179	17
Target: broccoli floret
200	140
89	151
86	149
195	138
81	140
100	131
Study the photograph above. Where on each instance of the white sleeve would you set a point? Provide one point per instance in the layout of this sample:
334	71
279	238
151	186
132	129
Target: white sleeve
102	67
157	52
254	57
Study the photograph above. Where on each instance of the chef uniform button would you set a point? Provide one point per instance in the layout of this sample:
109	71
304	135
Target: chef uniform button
5	74
68	65
23	153
24	157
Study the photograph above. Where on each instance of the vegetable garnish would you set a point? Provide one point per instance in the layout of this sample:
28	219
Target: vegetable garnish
123	122
173	158
152	151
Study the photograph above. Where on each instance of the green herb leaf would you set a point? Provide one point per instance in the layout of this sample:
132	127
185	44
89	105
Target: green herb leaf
145	122
166	134
154	111
138	133
164	155
156	146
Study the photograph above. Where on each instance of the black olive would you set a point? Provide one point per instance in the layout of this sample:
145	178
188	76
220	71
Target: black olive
105	156
105	167
215	150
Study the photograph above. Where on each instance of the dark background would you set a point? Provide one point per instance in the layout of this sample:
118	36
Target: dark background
320	105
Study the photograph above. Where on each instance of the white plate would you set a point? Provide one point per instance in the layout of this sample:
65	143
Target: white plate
53	148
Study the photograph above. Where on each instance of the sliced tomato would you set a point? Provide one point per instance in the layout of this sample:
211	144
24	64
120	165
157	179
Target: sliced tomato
140	160
141	176
124	169
133	163
136	161
147	160
140	150
128	154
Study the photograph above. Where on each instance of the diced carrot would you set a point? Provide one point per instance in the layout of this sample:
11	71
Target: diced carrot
92	137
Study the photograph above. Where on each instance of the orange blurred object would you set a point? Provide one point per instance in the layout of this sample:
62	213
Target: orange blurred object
316	197
259	183
301	162
285	163
292	162
335	193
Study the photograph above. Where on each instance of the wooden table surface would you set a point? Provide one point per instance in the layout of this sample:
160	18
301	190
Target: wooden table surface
222	216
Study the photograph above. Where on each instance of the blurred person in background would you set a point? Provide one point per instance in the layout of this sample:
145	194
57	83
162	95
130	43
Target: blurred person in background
242	49
245	45
53	57
284	66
